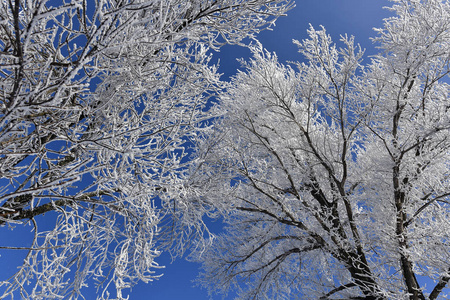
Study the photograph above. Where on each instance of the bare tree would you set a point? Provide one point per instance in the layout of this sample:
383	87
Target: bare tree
334	178
99	101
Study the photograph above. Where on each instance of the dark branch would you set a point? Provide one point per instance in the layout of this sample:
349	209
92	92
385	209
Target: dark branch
338	289
439	287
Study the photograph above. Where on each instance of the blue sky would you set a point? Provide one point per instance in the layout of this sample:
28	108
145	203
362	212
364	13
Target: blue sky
354	17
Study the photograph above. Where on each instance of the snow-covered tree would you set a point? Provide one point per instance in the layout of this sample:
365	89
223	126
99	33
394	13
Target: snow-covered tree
333	176
99	103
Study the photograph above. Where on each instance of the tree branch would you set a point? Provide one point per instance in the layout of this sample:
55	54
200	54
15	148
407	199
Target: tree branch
338	289
439	286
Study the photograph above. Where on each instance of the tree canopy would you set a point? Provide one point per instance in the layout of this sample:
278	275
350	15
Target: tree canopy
333	174
99	104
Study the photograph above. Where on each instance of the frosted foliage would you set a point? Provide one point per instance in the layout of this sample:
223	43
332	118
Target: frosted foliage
100	102
334	175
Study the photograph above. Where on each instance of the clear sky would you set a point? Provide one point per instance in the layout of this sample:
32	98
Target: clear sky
354	17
